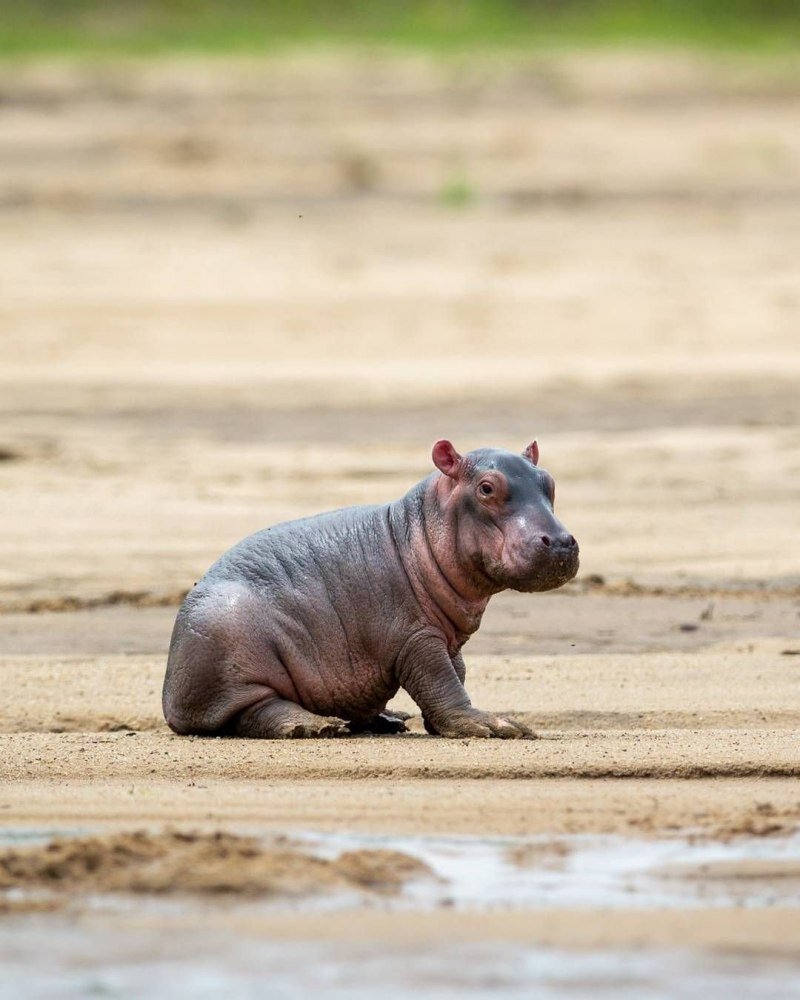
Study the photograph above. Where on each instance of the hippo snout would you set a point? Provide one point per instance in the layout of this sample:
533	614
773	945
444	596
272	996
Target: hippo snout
552	561
560	543
561	551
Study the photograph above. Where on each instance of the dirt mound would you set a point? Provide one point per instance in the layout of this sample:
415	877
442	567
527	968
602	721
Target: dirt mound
218	863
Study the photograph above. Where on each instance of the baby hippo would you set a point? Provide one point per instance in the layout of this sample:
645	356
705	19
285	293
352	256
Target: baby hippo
310	627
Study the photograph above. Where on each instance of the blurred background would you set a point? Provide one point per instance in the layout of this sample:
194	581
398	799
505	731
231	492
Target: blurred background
257	257
259	26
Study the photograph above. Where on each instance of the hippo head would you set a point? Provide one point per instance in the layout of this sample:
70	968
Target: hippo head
500	509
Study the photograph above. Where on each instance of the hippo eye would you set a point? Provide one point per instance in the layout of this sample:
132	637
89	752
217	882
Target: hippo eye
486	489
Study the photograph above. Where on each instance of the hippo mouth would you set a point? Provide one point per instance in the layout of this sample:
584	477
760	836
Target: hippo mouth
547	573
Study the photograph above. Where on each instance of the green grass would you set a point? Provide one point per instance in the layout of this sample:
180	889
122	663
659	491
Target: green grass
457	192
133	27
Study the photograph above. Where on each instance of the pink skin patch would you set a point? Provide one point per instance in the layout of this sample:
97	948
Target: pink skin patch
532	453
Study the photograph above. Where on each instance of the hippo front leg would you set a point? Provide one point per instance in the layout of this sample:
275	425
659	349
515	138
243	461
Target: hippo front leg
460	667
461	673
427	672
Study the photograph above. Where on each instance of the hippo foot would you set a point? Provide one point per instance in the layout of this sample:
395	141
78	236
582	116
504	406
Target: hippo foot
382	724
276	719
471	722
320	728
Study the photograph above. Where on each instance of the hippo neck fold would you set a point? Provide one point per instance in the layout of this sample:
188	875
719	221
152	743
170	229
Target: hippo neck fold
426	542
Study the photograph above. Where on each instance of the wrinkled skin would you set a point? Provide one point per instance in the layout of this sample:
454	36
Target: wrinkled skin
309	628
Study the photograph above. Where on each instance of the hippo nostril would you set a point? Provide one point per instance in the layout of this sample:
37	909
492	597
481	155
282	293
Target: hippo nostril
545	540
563	543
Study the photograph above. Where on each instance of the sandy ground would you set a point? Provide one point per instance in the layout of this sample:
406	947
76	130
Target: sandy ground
237	294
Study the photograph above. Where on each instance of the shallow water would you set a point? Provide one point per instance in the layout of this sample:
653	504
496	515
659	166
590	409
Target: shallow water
586	871
117	946
74	963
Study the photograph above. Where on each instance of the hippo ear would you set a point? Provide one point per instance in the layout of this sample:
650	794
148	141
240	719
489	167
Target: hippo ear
446	458
532	453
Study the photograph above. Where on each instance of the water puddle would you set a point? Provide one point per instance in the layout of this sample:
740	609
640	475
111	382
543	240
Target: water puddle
592	871
578	871
172	945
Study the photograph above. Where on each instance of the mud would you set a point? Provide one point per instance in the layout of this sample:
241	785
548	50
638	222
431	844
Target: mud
215	864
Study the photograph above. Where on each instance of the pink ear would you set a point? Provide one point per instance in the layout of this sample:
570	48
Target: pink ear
446	458
532	453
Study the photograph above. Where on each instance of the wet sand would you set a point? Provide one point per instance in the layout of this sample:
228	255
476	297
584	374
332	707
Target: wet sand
234	295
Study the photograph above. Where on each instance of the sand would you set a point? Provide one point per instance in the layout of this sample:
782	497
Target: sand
235	294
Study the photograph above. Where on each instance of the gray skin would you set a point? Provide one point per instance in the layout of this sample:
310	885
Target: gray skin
309	628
